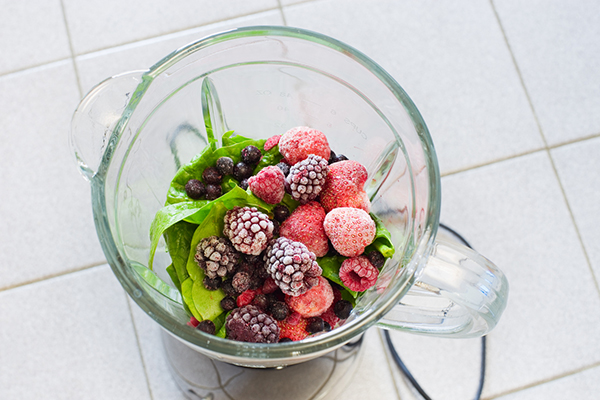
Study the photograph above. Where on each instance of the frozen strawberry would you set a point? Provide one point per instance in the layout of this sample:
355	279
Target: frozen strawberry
305	225
314	302
358	274
296	331
350	230
297	143
268	184
344	186
272	142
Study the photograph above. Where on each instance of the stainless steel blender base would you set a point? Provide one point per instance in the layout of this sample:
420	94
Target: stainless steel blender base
200	377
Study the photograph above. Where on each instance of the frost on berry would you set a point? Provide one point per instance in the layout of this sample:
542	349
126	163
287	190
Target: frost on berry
314	302
216	257
297	143
248	229
306	178
250	324
292	266
305	225
344	186
268	184
271	142
358	274
350	230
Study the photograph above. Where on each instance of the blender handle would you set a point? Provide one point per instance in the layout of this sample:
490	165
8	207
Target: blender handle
96	117
459	294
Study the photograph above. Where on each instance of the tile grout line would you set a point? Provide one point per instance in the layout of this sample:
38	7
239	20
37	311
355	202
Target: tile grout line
280	6
137	341
64	14
391	368
547	149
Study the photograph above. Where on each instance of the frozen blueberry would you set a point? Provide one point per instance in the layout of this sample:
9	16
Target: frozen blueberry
211	175
225	165
281	213
342	309
251	155
315	324
332	157
244	184
285	339
211	283
207	326
228	303
279	310
285	168
228	288
213	192
376	258
261	301
241	281
242	171
195	189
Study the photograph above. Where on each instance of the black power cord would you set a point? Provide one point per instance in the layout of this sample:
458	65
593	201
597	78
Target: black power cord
403	367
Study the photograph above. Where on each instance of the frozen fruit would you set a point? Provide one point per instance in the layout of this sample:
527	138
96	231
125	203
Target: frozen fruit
224	165
294	331
315	325
228	303
216	257
268	184
248	229
285	168
297	143
305	225
271	142
269	286
292	266
213	191
306	178
249	324
376	258
330	317
350	230
342	309
281	213
212	283
358	274
314	302
333	158
195	189
211	175
206	326
279	310
344	186
193	322
251	155
241	281
246	297
244	184
228	289
242	171
261	301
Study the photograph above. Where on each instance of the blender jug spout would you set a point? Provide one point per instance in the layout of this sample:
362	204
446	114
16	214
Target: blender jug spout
97	116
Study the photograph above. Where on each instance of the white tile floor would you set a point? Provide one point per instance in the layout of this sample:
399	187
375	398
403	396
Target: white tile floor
510	90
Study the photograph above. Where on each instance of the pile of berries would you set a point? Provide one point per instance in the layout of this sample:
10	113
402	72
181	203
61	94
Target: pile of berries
268	268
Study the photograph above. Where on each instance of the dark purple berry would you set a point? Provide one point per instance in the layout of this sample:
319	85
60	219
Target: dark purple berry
211	175
195	189
340	157
315	324
213	192
326	326
207	326
212	283
261	301
332	157
241	282
225	166
281	213
228	288
242	171
285	339
285	168
244	184
342	309
247	267
376	258
279	310
228	303
251	155
276	225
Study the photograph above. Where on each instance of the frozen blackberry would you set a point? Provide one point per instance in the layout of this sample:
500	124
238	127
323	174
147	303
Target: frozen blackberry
207	326
224	165
195	189
251	155
279	310
306	178
213	192
228	289
261	301
285	168
249	324
211	283
376	258
342	309
216	257
211	175
281	213
241	282
228	303
292	266
242	171
244	184
248	229
315	324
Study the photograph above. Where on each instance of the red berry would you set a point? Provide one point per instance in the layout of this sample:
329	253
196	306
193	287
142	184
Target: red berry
344	186
193	322
272	142
358	273
269	286
305	225
314	302
296	331
246	297
350	230
297	143
268	184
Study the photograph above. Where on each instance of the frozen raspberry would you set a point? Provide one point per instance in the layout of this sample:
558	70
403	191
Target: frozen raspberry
306	178
292	266
314	302
195	189
272	142
251	155
358	274
249	324
224	165
297	143
207	326
305	225
296	331
246	297
350	230
344	186
342	309
216	257
248	229
268	184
